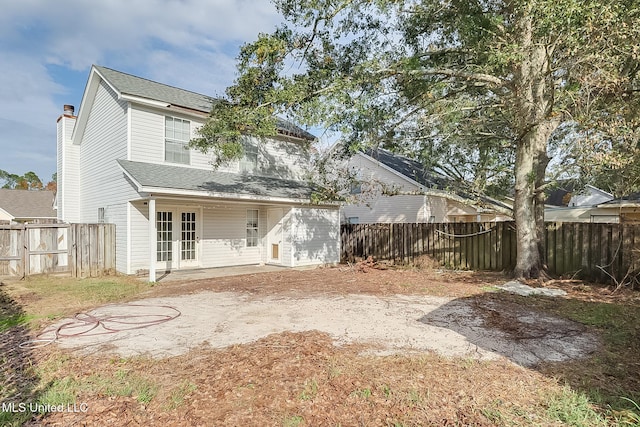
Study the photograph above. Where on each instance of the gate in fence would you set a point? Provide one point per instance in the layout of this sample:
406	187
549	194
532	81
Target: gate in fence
81	250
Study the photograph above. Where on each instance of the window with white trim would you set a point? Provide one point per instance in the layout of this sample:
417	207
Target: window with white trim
177	133
100	215
252	228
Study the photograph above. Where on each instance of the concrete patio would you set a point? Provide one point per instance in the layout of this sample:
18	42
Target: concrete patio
208	273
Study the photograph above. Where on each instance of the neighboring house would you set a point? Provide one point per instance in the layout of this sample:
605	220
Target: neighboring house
390	188
624	209
124	160
565	204
27	206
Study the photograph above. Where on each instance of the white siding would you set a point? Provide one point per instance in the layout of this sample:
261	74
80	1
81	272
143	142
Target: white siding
283	158
391	209
316	236
223	241
277	157
139	238
103	182
288	237
68	169
370	171
581	214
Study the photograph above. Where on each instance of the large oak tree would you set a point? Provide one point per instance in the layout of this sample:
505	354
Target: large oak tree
499	76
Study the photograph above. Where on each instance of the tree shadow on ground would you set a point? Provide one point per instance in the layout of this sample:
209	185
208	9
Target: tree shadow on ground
18	375
591	346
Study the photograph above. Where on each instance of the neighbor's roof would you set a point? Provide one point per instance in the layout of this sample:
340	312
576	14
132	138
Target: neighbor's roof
630	200
28	204
416	171
148	89
408	167
156	177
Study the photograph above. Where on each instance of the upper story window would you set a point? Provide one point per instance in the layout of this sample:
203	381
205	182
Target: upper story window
249	162
177	133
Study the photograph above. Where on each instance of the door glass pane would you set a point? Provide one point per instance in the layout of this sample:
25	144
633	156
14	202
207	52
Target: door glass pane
188	236
164	231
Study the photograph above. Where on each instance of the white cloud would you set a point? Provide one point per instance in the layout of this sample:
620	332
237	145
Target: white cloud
186	43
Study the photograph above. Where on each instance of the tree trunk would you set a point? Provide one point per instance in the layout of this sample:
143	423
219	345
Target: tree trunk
531	163
534	90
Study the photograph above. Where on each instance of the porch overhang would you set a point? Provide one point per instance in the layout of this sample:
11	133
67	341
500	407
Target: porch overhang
157	180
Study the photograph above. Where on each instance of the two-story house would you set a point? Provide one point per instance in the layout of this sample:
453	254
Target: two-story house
124	159
390	188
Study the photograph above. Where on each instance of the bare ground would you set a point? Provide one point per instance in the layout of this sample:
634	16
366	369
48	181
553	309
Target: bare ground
348	345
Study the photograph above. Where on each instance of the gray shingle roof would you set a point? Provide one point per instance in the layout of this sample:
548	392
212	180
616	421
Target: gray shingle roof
408	167
148	89
138	86
25	204
183	178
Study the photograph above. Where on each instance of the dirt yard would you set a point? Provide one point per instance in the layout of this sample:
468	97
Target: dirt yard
347	345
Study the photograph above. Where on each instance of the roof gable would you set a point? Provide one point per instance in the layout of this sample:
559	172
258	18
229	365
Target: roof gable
408	168
138	89
415	172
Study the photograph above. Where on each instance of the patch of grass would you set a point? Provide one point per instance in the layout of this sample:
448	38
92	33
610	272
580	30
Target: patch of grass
363	393
13	320
62	391
122	382
612	371
629	417
573	409
179	394
386	391
492	414
51	297
292	421
310	390
415	397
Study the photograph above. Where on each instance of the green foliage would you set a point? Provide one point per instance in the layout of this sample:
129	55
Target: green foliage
573	409
473	88
180	393
28	181
310	390
444	81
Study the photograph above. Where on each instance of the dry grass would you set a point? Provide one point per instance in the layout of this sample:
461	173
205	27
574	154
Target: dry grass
303	379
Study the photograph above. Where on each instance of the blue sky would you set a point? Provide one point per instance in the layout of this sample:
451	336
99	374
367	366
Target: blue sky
47	48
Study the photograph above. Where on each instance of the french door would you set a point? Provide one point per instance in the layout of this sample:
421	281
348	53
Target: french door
177	238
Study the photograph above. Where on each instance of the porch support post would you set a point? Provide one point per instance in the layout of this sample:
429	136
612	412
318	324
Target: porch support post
152	239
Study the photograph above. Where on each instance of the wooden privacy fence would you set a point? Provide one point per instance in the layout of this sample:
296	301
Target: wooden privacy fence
590	251
81	250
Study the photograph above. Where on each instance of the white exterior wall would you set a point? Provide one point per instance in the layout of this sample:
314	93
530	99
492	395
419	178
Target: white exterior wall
371	206
315	236
407	209
147	137
224	235
584	214
276	157
68	169
370	171
5	216
103	183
